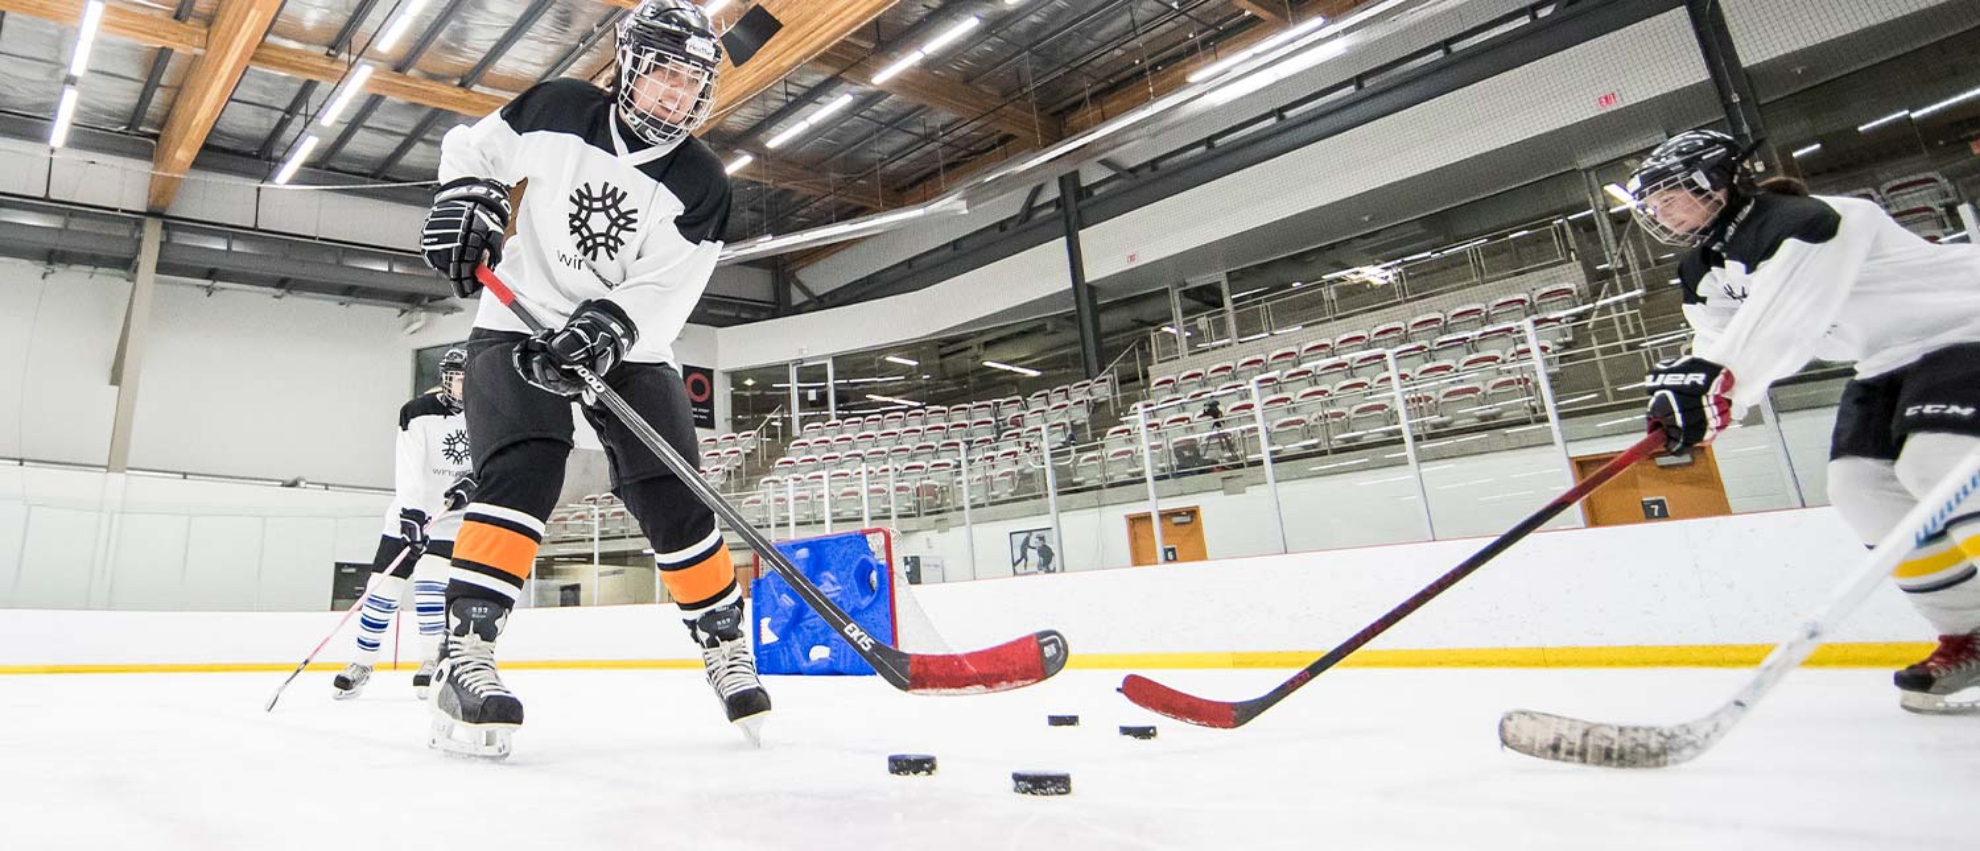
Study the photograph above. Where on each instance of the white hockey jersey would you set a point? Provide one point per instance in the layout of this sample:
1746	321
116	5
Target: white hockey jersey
603	215
1793	279
432	455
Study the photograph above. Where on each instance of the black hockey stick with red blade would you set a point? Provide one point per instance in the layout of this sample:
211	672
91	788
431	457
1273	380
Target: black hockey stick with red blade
1015	664
1204	712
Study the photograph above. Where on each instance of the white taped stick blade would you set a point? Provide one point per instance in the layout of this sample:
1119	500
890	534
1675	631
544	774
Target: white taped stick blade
1561	739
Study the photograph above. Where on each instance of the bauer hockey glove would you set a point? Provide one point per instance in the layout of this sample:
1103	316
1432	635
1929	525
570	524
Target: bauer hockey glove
412	527
465	228
597	338
1690	401
460	493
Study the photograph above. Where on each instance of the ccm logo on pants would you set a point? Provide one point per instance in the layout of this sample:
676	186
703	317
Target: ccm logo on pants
1941	410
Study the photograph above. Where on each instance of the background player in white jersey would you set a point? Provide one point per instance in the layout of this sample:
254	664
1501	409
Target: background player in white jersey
1776	278
616	237
434	475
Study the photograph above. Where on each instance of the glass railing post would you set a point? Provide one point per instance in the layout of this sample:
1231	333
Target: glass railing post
1052	497
865	499
1781	456
969	526
1148	476
1409	441
1552	411
1265	455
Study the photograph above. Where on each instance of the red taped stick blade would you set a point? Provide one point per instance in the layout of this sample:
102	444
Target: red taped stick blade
1155	697
1012	665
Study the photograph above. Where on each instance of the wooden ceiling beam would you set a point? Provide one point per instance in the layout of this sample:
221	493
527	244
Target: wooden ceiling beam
1271	10
138	24
810	28
238	27
929	89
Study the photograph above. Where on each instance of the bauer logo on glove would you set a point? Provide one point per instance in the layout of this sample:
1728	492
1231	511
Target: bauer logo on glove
1690	401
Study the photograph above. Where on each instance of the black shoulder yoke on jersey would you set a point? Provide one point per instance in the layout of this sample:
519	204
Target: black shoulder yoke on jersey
423	405
692	172
1754	234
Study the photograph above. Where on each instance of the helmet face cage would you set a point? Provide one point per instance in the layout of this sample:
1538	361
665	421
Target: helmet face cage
667	56
1678	189
1688	170
453	375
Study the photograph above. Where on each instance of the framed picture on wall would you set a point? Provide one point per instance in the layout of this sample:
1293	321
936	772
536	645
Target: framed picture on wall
1031	552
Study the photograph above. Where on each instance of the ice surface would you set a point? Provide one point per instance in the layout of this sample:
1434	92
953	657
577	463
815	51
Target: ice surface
642	759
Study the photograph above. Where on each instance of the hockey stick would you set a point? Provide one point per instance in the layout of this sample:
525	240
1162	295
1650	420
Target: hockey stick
1561	739
1015	664
340	625
1156	697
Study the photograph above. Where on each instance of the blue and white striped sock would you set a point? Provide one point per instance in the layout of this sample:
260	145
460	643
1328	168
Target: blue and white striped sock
381	602
430	609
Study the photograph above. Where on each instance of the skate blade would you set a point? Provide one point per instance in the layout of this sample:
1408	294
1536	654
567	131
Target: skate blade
1922	703
491	742
751	727
346	695
420	692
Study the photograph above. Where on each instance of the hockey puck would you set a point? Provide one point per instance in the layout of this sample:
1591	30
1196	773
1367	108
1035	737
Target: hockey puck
910	764
1041	783
1062	720
1132	732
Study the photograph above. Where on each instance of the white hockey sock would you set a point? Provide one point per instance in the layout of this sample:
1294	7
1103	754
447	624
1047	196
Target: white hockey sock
1939	577
381	602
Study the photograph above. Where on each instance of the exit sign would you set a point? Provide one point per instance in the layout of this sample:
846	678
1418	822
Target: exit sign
1608	101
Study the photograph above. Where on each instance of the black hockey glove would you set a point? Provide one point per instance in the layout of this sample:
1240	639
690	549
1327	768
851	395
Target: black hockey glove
412	527
464	229
1690	401
461	493
597	338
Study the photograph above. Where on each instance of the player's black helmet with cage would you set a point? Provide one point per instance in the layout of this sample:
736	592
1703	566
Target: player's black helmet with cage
1697	163
453	375
668	54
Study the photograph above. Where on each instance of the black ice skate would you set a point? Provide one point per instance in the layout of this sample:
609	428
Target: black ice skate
473	713
731	665
1928	686
423	678
350	683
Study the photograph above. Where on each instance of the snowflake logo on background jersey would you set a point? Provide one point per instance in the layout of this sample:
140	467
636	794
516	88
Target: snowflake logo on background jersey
600	219
455	447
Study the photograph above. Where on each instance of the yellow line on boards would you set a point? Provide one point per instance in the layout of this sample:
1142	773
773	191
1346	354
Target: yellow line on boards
1856	655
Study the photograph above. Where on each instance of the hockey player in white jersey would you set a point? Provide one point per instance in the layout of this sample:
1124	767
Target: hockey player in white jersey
616	237
1775	278
434	475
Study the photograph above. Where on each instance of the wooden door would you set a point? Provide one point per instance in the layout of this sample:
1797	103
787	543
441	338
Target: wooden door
1650	492
1182	536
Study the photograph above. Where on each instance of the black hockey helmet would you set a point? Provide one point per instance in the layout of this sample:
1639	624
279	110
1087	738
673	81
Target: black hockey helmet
453	375
1699	163
668	55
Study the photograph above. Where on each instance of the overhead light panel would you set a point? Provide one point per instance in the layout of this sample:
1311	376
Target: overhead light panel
342	100
739	163
930	48
65	115
1948	102
1028	373
92	20
1802	152
891	400
296	158
397	28
1899	115
1232	61
901	360
809	121
714	6
1621	195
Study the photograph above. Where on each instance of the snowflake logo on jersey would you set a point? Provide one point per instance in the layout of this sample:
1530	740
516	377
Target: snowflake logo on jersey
455	447
600	220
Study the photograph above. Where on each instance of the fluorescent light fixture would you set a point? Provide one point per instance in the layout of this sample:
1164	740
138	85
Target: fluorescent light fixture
901	64
749	382
398	26
901	360
1634	419
1517	234
949	35
1581	215
1948	102
1895	116
1802	152
345	95
1621	195
809	121
296	159
741	162
65	115
1028	373
1618	208
889	399
1229	62
713	6
92	20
